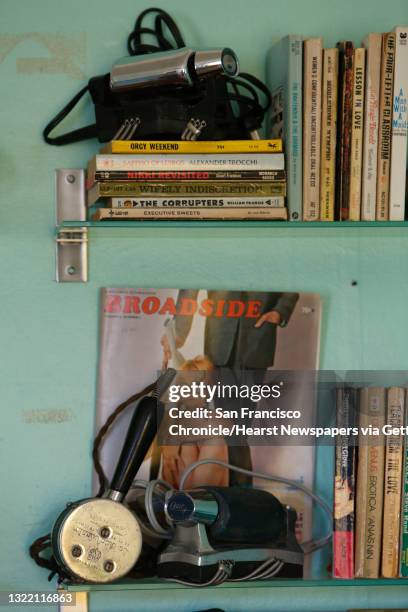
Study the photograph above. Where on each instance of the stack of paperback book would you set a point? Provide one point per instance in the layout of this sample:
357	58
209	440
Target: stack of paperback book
342	113
371	484
214	180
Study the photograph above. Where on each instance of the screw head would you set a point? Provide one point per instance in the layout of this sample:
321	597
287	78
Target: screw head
105	532
71	270
70	178
109	566
76	551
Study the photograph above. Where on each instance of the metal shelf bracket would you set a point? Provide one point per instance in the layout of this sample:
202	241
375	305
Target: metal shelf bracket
72	242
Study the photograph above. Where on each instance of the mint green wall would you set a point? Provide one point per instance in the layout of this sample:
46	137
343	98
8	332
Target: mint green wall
48	332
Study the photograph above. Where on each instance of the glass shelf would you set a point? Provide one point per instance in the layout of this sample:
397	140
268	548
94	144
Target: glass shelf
281	225
160	585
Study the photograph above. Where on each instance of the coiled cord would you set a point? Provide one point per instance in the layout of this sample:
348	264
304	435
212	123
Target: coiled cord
166	533
244	87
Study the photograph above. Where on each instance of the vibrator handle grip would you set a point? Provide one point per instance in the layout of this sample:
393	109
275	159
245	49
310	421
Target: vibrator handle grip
247	515
139	437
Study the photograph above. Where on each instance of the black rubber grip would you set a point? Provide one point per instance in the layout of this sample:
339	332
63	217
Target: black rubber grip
247	516
139	437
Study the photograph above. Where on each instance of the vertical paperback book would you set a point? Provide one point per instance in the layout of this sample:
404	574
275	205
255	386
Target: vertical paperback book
384	128
329	136
284	72
312	96
399	128
404	507
344	123
370	485
356	149
344	486
392	485
372	44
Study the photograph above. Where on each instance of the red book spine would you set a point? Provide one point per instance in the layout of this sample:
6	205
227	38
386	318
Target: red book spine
344	489
345	117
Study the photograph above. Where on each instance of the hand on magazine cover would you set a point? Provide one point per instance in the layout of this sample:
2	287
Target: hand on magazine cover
166	349
273	316
176	458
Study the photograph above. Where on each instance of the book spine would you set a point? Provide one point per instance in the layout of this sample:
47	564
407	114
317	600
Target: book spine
392	485
244	189
284	68
346	60
344	488
215	175
370	485
328	141
371	114
404	506
312	95
295	121
399	129
384	129
197	203
172	163
238	214
197	146
356	151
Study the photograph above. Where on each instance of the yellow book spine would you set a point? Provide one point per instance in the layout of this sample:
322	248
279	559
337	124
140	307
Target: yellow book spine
357	135
328	143
370	486
191	147
392	485
385	125
196	189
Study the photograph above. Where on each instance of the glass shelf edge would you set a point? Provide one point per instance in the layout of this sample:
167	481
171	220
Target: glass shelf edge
282	225
140	585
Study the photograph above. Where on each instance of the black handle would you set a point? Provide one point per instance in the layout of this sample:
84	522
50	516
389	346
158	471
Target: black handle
247	516
139	437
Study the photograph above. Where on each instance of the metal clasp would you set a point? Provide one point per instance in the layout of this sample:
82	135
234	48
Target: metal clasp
71	242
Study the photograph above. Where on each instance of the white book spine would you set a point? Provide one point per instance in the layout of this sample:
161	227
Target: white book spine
312	108
243	161
372	43
399	127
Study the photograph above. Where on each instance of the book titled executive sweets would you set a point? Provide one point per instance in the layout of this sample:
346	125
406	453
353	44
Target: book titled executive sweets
312	96
356	149
203	213
370	485
372	44
344	486
284	73
384	126
344	123
329	135
392	485
399	129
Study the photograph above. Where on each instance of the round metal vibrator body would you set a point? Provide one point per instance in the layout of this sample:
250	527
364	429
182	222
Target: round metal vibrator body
97	540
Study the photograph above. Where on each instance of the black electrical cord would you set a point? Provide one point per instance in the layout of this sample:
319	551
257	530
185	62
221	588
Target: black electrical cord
243	99
248	103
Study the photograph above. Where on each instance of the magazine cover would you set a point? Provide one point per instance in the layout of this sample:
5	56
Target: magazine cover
144	330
